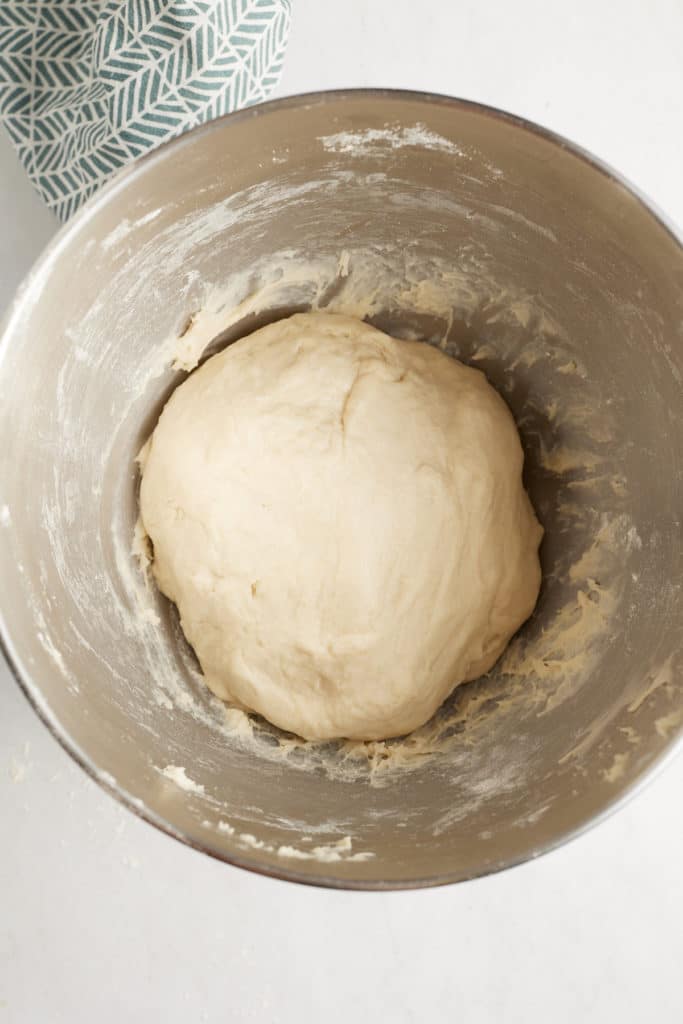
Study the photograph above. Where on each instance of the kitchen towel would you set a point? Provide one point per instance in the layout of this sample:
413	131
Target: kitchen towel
88	85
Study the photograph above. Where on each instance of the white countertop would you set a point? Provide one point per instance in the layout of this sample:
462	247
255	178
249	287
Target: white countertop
104	919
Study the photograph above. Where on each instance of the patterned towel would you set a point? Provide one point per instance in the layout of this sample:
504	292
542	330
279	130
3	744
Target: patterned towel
87	85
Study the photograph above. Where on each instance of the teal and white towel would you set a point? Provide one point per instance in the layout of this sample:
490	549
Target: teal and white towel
88	85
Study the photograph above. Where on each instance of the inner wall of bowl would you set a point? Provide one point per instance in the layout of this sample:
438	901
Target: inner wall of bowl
433	222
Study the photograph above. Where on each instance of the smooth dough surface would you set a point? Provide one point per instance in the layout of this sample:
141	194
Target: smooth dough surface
340	518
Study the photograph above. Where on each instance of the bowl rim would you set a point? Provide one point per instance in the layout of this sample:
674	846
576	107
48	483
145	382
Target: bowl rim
22	300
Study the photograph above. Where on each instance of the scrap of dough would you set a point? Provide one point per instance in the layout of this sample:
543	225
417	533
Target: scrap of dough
340	518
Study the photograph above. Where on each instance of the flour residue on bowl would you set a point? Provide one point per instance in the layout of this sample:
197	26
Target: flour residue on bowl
177	774
367	141
332	852
570	421
381	143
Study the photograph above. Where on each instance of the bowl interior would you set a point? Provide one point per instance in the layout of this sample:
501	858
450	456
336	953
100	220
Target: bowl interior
432	219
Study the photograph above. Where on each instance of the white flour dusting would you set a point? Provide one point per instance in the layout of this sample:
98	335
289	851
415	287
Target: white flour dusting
366	141
178	775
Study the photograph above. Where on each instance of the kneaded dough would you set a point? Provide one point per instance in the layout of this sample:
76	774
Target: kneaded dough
340	518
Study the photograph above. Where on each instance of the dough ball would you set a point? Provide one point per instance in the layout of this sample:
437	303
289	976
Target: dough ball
340	518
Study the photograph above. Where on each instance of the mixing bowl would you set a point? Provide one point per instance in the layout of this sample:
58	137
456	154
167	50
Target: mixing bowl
434	219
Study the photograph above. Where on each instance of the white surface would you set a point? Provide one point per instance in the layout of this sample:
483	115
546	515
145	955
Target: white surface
103	919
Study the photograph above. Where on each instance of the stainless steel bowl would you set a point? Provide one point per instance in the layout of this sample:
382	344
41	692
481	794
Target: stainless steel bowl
435	218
